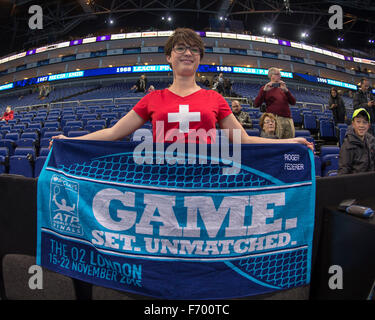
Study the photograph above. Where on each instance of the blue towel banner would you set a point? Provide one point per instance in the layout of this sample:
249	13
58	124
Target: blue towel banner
176	225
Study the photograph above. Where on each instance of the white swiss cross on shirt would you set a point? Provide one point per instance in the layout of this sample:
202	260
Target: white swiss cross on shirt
184	117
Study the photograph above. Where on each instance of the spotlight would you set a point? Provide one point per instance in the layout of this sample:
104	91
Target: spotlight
340	39
169	19
304	35
267	29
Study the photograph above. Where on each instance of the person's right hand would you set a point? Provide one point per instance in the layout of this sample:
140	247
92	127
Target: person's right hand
60	136
268	86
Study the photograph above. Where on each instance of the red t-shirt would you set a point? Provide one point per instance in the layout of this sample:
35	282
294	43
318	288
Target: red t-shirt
199	110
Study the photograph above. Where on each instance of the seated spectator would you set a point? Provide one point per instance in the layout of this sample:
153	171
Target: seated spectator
267	124
242	117
336	104
8	114
140	85
357	153
150	89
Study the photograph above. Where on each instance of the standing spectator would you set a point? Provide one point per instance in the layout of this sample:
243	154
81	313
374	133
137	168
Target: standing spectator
242	117
140	85
357	153
267	124
220	83
364	98
336	104
8	114
227	87
277	98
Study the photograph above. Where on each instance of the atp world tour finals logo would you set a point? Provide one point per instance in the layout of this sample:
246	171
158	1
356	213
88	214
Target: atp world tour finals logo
64	206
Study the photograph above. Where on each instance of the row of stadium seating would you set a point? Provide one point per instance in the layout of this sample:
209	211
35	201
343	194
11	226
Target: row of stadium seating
26	153
122	90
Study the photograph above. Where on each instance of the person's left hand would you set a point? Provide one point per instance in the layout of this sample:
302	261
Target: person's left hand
308	144
283	86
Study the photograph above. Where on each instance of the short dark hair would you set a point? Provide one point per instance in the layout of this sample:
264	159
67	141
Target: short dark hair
184	35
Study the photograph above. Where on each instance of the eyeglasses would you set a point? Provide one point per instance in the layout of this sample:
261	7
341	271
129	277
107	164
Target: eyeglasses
269	121
180	49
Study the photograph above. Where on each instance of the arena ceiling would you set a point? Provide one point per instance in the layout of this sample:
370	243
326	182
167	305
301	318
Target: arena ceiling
66	19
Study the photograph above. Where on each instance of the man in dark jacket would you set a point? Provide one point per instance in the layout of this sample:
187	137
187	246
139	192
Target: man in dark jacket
364	98
357	153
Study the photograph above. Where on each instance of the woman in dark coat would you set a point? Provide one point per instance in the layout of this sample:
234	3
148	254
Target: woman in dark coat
336	104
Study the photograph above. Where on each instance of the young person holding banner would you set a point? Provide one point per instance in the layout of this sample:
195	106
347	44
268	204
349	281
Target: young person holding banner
184	106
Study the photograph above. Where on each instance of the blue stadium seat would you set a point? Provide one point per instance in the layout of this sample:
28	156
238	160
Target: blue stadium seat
39	163
67	118
44	142
30	135
302	133
10	144
108	116
44	151
25	151
77	133
4	160
342	134
51	124
40	118
318	166
93	128
67	129
78	123
48	129
330	163
13	121
112	123
309	122
22	165
52	133
326	129
324	150
12	136
7	127
297	117
35	125
253	132
26	142
87	117
100	122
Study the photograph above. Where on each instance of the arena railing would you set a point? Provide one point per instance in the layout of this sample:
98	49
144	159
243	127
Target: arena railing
126	100
63	104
